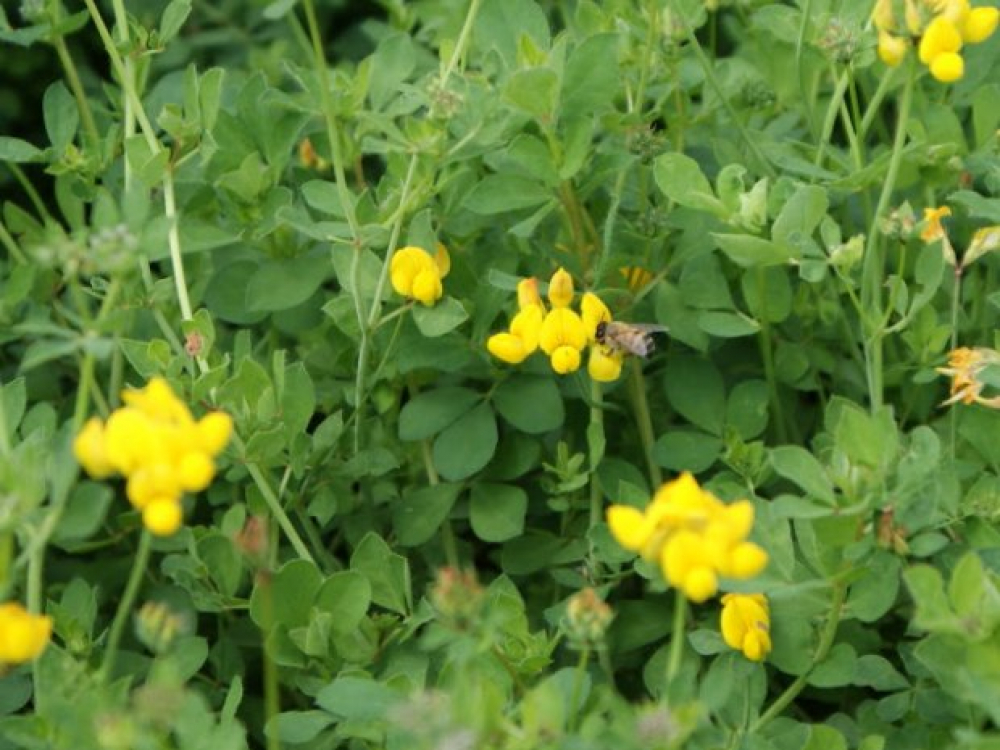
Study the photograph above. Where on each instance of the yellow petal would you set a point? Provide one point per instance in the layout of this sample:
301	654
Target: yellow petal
442	259
939	37
980	24
593	311
88	447
561	289
527	294
427	286
214	431
507	347
604	367
747	560
527	326
162	517
892	49
948	67
196	471
629	527
565	359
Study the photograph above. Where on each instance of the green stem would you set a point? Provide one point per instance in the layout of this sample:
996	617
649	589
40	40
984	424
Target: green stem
822	649
447	533
640	408
710	76
126	603
676	638
462	42
578	677
128	113
73	78
274	505
800	44
875	102
767	355
272	696
29	190
873	270
831	117
12	247
956	299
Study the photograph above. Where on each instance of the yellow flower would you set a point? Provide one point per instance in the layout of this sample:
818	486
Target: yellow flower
604	367
746	624
417	275
23	636
695	537
947	67
561	289
527	326
565	359
508	348
562	327
88	447
964	366
939	37
891	48
527	294
163	517
593	311
158	446
980	24
985	240
933	230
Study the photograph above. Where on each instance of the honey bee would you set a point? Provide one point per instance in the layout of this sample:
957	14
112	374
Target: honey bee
628	338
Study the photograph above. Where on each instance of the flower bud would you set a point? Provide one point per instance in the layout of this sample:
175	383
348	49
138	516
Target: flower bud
587	619
980	24
561	289
507	347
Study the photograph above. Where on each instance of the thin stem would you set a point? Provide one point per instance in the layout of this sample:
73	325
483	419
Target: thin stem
139	565
274	505
873	271
800	44
11	244
640	408
956	301
174	243
676	637
460	44
595	434
272	696
73	79
710	76
767	355
831	116
29	190
578	677
128	112
875	102
447	533
822	649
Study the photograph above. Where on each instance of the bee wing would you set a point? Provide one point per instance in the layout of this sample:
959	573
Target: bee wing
649	327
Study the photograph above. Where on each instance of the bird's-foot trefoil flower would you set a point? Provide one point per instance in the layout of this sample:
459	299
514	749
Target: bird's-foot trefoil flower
23	636
416	274
746	624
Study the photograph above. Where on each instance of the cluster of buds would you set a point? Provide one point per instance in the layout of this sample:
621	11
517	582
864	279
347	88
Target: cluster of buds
560	332
587	619
159	447
940	29
308	157
746	624
416	274
965	368
693	536
23	636
457	596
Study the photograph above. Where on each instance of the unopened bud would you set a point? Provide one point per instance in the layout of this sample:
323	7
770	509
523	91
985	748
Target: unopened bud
457	595
587	618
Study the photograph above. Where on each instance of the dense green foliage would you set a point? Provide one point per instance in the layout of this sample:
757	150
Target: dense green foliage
212	193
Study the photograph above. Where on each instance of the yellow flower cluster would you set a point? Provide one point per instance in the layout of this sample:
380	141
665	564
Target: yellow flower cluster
746	624
23	636
416	274
984	240
159	447
561	332
942	28
694	536
964	368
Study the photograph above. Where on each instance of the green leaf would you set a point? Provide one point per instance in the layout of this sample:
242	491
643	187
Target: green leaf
18	151
726	325
873	595
392	63
933	607
85	512
148	165
531	404
298	726
695	390
801	467
174	16
837	669
420	512
877	672
298	400
680	178
591	80
441	318
800	216
496	511
534	91
755	252
499	193
14	398
967	586
61	115
686	450
357	699
467	445
291	591
429	412
387	572
747	408
346	595
282	284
